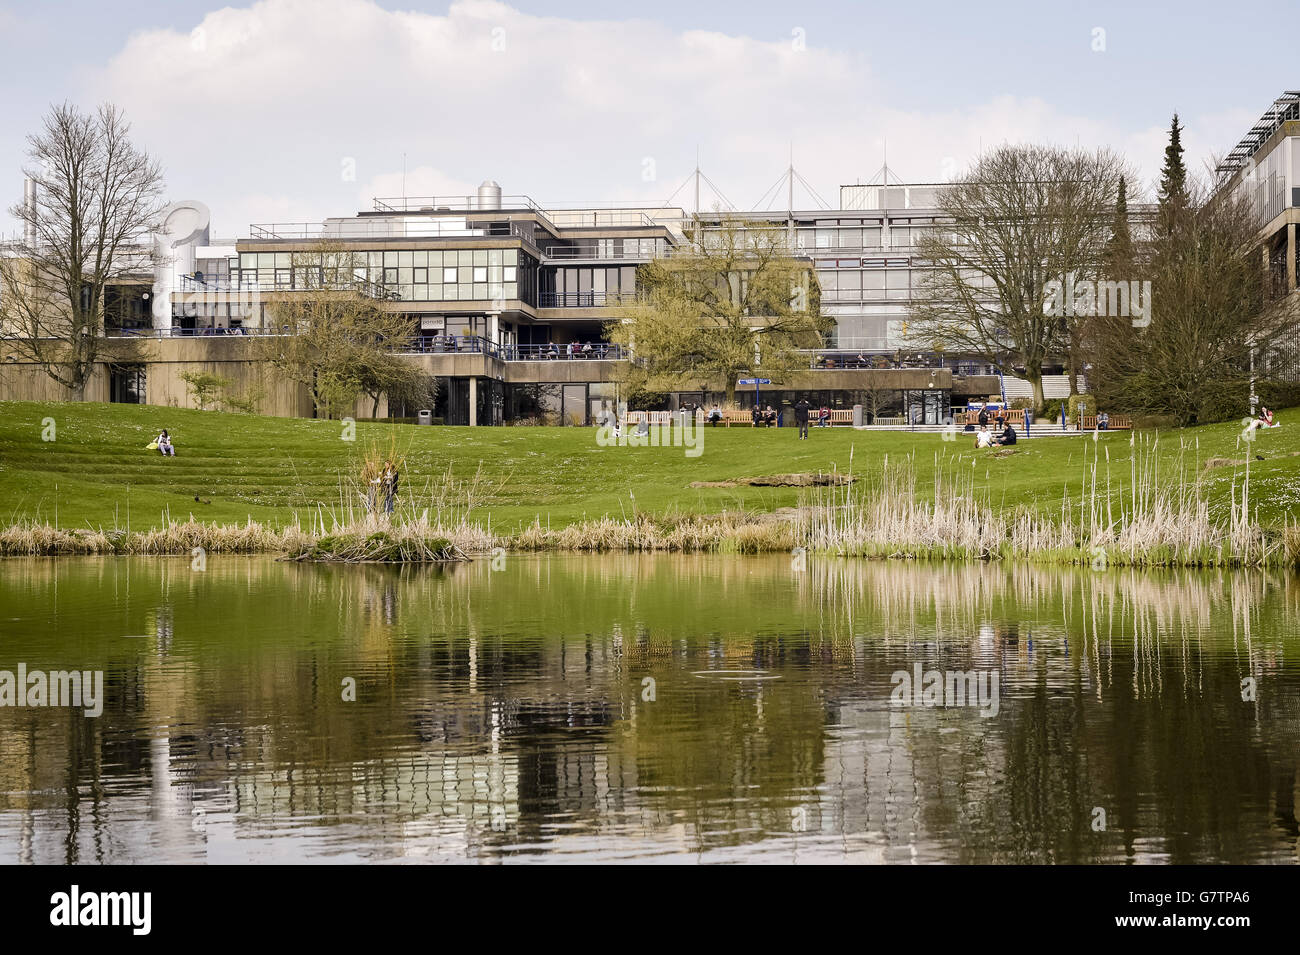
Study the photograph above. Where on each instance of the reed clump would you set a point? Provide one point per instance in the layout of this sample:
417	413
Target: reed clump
731	531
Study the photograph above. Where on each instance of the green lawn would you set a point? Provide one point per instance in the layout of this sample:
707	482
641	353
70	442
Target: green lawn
96	470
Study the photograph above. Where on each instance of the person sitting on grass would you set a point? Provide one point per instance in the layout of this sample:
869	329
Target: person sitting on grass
165	445
983	437
1007	437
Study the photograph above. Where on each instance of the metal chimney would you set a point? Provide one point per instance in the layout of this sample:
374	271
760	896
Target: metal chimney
29	211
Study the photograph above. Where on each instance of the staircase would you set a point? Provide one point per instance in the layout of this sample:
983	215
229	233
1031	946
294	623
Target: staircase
1054	387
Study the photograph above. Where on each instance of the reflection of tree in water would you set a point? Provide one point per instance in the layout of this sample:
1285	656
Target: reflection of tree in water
493	706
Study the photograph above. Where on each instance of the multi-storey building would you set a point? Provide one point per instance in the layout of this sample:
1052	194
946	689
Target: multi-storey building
509	302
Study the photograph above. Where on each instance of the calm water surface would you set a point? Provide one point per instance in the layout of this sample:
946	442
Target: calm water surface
660	708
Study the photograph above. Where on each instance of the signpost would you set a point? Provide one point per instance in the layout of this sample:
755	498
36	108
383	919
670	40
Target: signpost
755	382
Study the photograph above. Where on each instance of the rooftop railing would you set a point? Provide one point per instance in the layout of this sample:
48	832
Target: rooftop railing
345	230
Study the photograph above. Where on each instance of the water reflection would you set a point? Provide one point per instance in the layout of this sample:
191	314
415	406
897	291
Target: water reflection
555	707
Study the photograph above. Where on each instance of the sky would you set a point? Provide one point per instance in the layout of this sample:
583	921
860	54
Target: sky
295	110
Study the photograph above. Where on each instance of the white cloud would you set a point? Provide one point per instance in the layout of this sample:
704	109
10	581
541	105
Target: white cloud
274	99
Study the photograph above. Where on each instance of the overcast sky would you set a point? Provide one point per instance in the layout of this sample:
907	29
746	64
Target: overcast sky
287	110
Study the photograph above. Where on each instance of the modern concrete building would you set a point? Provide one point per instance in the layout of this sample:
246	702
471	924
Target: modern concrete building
1265	167
509	302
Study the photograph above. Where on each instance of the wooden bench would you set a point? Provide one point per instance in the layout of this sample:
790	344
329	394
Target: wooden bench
1117	422
1013	416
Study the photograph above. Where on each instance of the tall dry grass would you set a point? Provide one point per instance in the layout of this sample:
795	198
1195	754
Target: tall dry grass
1140	517
1152	520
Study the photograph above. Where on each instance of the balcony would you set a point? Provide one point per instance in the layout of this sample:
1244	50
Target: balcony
584	299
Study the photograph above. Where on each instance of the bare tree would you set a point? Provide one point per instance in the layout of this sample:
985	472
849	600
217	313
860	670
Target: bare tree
97	198
1026	216
738	303
342	341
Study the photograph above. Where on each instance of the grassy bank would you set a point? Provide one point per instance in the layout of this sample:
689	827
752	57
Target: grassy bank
267	484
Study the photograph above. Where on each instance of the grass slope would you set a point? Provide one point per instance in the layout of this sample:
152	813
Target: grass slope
97	470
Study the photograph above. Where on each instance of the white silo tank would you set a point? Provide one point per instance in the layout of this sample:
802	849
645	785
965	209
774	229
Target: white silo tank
489	194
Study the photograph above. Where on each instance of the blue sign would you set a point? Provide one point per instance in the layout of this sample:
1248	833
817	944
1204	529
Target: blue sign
755	381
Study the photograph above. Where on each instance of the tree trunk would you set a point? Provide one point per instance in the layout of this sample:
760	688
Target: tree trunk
374	407
1036	381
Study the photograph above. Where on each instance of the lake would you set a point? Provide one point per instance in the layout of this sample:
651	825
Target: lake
653	707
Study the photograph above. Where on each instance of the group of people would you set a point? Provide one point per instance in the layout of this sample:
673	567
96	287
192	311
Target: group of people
574	350
1002	434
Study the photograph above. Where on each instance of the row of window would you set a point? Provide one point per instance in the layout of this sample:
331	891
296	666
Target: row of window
398	259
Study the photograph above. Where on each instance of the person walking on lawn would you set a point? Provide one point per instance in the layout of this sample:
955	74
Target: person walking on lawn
801	417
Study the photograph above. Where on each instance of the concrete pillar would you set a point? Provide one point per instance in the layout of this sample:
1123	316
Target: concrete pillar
473	402
1290	257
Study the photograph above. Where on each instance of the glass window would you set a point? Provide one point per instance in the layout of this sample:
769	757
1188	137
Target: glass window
480	273
510	257
480	257
511	290
404	259
508	273
494	256
421	293
390	260
435	293
896	283
376	259
421	276
449	274
390	276
435	260
419	258
465	257
465	274
480	291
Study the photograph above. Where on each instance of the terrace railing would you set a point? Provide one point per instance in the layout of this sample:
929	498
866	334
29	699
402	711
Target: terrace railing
584	299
